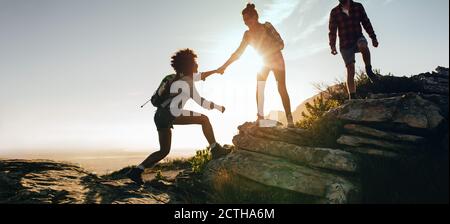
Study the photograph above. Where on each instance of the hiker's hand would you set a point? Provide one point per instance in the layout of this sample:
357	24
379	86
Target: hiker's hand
375	43
221	70
222	109
334	51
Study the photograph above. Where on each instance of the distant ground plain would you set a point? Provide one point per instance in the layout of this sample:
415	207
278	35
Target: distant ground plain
100	162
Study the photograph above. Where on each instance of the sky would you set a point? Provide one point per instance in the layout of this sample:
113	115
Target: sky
73	73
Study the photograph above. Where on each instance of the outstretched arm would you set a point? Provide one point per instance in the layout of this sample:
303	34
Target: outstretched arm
368	27
203	102
205	75
236	55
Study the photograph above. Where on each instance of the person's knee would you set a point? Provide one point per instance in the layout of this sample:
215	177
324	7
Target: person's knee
282	87
204	120
262	76
164	152
350	66
363	47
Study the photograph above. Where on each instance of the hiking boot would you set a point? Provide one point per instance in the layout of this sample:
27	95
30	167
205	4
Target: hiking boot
135	174
373	78
218	151
353	96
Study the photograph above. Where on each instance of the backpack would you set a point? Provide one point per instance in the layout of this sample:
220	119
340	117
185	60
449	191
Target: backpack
161	97
275	37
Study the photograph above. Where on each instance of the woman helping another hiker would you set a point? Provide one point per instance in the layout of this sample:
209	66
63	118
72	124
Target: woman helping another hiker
269	44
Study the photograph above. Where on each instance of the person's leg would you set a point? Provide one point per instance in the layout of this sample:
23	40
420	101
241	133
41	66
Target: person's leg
260	88
163	121
280	75
349	59
351	87
363	47
165	142
199	120
217	150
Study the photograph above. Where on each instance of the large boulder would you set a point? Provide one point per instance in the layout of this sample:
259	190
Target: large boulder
276	172
434	82
409	111
275	158
331	159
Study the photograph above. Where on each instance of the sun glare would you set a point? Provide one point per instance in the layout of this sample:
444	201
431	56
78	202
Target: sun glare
252	60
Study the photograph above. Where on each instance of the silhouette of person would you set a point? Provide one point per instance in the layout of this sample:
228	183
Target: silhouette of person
269	44
347	18
170	111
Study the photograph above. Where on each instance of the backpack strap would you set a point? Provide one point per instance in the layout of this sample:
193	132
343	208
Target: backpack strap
167	83
274	35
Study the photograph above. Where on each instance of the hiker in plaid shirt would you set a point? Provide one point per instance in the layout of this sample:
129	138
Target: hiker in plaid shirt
347	18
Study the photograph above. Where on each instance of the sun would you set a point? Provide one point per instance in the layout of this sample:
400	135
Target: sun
252	60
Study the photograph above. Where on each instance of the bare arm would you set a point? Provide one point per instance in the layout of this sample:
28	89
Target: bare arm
205	75
236	55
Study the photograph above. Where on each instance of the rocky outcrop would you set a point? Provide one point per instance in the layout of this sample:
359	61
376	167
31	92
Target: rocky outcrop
384	142
392	125
273	157
330	159
433	83
48	182
409	111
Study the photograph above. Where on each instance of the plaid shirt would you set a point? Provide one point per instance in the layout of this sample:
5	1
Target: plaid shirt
349	26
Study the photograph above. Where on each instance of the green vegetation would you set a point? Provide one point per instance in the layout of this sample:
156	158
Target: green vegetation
159	176
199	161
315	111
322	130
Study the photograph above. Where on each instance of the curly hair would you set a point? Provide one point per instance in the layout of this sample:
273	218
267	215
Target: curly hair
184	61
250	10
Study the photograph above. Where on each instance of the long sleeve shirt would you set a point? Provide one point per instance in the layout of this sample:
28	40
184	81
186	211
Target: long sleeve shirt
183	90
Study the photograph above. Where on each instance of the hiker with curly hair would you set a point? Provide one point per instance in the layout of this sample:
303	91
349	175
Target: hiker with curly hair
170	98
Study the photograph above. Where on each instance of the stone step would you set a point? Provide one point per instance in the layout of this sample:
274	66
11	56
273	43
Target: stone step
356	141
410	110
363	130
294	136
279	173
373	152
331	159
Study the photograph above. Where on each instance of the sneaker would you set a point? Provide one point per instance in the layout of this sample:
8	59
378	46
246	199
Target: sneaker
218	151
290	121
135	174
